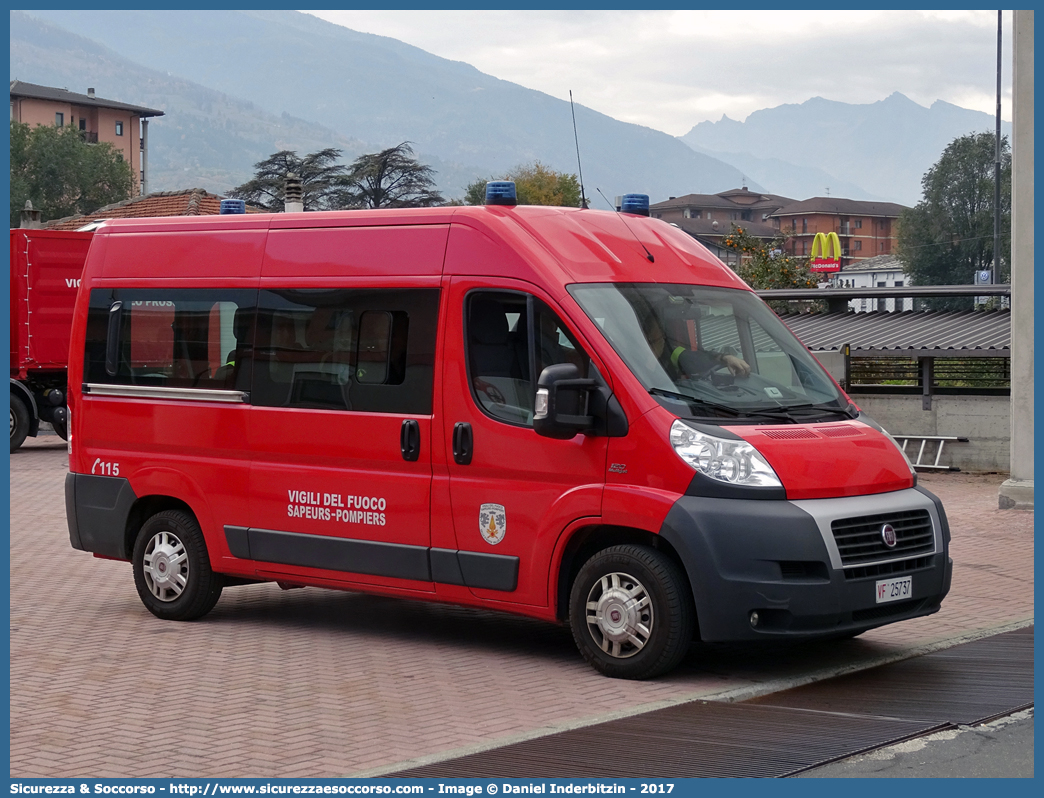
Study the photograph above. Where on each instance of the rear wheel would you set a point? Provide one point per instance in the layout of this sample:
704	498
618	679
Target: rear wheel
19	421
631	612
172	569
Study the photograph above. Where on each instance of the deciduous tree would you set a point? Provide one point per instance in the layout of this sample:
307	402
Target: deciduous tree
948	235
765	264
63	175
535	184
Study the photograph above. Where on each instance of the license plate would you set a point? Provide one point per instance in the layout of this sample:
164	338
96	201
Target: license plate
894	589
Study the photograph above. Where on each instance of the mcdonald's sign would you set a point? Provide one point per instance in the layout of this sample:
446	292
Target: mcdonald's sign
826	253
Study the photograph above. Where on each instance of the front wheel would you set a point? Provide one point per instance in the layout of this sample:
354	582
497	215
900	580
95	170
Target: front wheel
172	568
631	612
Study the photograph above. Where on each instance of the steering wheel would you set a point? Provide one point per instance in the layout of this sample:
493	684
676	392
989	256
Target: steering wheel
492	392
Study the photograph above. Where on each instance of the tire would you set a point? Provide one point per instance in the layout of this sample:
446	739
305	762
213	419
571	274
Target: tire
172	568
19	421
617	631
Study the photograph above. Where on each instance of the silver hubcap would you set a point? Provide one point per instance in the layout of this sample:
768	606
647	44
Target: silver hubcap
619	615
14	423
166	566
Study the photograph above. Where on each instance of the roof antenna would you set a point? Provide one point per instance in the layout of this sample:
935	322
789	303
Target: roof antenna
648	254
576	138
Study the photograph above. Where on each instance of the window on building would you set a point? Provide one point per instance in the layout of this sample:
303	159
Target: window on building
59	119
804	225
881	246
83	124
708	215
859	224
119	128
858	245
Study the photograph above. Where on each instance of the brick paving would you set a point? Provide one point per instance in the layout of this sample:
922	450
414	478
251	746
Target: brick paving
323	683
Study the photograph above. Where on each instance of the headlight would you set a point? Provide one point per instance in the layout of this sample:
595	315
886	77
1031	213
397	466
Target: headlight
731	461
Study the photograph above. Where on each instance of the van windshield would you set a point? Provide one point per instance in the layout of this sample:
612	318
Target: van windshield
712	353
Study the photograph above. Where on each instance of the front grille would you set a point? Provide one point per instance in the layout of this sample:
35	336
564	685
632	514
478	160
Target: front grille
859	540
888	610
887	568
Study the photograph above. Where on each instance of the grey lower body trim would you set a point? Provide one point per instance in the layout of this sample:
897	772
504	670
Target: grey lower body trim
97	509
375	558
825	511
488	571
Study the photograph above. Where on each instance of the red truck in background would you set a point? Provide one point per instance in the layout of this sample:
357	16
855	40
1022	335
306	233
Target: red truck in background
46	266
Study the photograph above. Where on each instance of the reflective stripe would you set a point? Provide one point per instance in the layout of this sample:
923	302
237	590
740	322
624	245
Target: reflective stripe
676	354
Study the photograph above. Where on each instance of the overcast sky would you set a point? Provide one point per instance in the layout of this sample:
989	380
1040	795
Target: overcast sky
672	69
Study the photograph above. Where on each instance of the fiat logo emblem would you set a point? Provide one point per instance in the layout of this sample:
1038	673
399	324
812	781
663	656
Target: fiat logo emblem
615	615
888	535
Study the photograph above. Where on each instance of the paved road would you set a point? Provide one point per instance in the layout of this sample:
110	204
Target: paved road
322	683
1000	749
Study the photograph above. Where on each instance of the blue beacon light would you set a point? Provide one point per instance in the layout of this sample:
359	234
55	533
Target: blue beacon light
635	203
501	192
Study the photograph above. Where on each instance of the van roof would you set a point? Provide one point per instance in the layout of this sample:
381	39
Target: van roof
565	245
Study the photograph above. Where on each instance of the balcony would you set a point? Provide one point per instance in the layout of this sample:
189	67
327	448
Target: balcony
90	138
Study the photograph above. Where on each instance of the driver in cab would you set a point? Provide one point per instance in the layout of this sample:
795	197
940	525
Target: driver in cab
681	361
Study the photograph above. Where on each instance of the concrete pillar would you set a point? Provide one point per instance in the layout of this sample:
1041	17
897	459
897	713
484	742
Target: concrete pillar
1018	490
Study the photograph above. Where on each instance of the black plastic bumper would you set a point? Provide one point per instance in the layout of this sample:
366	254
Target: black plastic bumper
770	558
97	509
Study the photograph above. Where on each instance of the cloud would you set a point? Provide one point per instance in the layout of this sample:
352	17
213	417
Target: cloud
672	69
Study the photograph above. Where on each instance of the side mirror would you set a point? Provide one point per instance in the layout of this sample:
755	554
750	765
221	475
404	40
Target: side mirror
560	410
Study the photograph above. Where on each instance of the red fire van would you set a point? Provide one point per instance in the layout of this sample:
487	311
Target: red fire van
571	414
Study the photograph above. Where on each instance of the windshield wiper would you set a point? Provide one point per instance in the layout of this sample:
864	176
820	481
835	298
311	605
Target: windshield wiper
848	412
779	412
732	411
685	397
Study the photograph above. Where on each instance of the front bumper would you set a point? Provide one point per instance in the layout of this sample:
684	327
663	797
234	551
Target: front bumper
780	559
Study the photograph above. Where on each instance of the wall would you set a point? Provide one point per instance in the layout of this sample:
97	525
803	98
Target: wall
984	420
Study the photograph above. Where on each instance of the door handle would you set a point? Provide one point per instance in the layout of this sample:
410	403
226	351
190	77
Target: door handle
463	443
409	440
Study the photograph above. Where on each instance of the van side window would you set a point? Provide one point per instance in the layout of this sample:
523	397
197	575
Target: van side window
175	338
369	350
504	358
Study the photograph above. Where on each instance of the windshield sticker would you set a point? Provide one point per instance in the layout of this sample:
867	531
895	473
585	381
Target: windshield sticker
346	509
775	393
492	523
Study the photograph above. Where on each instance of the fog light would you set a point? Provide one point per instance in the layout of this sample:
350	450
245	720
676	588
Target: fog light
754	618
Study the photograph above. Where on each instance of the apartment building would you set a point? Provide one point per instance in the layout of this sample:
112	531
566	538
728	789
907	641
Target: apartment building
866	229
122	125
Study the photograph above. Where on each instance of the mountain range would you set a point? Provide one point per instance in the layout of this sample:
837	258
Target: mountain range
237	86
883	148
